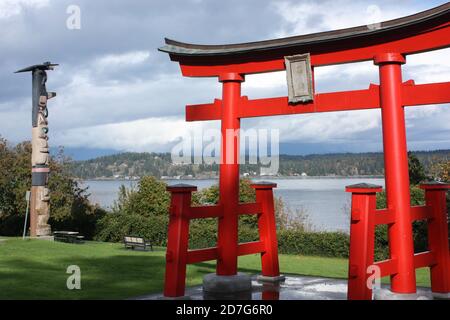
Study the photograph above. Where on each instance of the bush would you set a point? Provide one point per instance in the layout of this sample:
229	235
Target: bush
327	244
203	233
69	205
138	212
150	198
114	226
381	243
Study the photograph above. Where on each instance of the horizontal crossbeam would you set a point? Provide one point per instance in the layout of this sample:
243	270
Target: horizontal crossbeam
387	267
250	248
217	210
420	213
249	208
384	217
421	260
205	212
200	255
413	95
207	254
424	259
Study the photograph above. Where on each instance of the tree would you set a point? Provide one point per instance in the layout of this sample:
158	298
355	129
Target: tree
443	171
140	211
416	170
444	176
15	177
69	204
149	198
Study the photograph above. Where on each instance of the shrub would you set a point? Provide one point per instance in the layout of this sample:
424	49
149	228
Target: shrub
114	226
148	199
203	233
328	244
138	212
69	205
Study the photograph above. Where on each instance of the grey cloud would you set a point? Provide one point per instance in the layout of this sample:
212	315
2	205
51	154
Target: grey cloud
117	27
89	96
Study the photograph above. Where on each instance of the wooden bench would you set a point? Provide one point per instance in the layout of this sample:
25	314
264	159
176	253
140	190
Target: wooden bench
68	237
132	242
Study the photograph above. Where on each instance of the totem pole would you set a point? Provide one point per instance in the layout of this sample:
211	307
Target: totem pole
40	197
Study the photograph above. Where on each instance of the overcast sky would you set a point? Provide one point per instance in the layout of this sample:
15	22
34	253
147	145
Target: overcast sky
117	92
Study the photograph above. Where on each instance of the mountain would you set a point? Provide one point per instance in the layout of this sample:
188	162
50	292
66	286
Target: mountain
80	154
134	165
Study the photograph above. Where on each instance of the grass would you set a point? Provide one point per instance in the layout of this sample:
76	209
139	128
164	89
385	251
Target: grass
36	269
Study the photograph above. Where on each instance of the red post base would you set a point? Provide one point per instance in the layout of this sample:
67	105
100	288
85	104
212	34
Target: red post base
435	197
267	229
364	218
362	240
177	241
178	254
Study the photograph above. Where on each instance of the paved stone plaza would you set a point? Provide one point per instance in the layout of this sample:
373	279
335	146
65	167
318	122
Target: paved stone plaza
293	288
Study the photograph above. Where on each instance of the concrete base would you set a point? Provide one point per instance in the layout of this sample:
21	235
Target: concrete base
441	296
385	294
261	278
293	288
241	282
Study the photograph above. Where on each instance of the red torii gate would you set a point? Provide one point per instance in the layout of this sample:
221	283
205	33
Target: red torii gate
387	46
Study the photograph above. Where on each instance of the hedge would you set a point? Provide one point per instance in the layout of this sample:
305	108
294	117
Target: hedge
327	244
203	233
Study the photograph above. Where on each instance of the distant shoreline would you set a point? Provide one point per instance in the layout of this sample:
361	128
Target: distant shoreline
254	177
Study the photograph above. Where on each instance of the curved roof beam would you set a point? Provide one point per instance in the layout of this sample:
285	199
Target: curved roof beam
424	31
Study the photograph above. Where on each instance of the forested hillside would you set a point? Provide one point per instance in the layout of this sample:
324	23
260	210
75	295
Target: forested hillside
135	165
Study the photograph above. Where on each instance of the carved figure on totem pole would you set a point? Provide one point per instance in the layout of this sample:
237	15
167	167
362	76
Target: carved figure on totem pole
40	159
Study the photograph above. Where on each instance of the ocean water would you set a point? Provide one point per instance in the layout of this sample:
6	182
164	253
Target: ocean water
323	200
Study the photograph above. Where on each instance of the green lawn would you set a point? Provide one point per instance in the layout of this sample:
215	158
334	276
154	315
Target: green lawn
36	269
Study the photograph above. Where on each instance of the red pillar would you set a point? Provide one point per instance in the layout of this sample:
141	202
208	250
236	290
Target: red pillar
362	239
267	229
229	175
396	171
177	240
435	196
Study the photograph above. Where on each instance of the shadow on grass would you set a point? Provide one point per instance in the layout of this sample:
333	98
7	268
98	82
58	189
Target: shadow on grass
115	277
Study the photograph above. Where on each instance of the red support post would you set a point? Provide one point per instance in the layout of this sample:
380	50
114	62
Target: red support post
435	196
177	240
267	229
229	175
396	171
362	239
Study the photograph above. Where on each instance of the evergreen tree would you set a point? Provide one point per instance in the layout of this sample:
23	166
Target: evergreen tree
416	170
